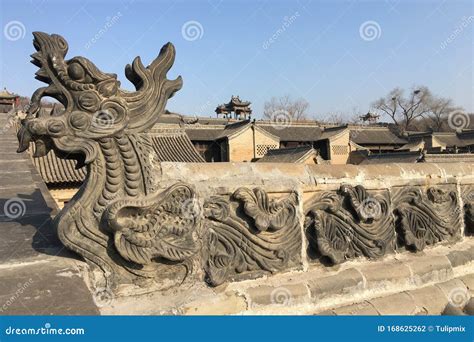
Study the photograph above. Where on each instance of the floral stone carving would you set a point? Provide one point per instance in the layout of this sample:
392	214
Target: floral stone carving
350	223
266	237
426	218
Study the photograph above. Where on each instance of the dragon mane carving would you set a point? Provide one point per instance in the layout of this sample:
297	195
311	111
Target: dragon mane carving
269	241
427	218
350	223
101	126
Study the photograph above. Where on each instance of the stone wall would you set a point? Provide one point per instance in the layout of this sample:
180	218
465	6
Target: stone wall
353	234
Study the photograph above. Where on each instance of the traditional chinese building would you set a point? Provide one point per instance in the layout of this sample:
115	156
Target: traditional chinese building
8	101
370	117
240	109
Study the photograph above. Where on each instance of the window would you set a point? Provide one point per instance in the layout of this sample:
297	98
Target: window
339	150
263	149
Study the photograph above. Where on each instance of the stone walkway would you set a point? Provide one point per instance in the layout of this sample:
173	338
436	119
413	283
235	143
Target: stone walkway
37	275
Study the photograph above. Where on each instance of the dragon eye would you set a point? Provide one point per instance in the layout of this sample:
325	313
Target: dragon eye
76	71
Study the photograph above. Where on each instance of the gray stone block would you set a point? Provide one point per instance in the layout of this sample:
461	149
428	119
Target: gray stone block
459	258
430	268
343	283
364	308
456	292
386	274
396	304
430	300
286	294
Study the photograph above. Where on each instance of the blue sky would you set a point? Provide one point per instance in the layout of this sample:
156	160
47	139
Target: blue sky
319	50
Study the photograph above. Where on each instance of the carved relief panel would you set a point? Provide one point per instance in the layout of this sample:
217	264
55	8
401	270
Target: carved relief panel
249	234
426	216
349	223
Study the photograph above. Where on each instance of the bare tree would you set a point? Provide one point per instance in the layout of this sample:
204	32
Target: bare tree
335	118
404	111
285	105
439	111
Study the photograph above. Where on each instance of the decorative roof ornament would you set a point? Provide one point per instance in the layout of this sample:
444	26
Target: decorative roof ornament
370	117
241	109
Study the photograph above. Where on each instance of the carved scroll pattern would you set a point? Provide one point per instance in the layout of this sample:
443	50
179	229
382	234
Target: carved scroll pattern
350	223
265	237
426	218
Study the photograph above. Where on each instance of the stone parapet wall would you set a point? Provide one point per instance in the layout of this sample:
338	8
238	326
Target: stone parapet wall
323	236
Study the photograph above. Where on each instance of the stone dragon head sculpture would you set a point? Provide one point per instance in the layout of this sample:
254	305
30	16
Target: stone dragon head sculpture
95	107
101	127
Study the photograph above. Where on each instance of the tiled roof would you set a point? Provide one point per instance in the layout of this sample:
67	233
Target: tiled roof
415	145
5	94
171	146
393	157
459	140
55	170
294	133
175	147
234	128
203	134
449	158
288	155
378	136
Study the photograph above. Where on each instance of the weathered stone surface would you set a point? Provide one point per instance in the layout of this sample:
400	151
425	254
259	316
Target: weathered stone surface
225	304
396	273
38	275
430	300
342	283
349	223
396	304
269	229
427	216
453	310
364	309
427	269
469	308
286	294
460	258
44	288
456	292
468	280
